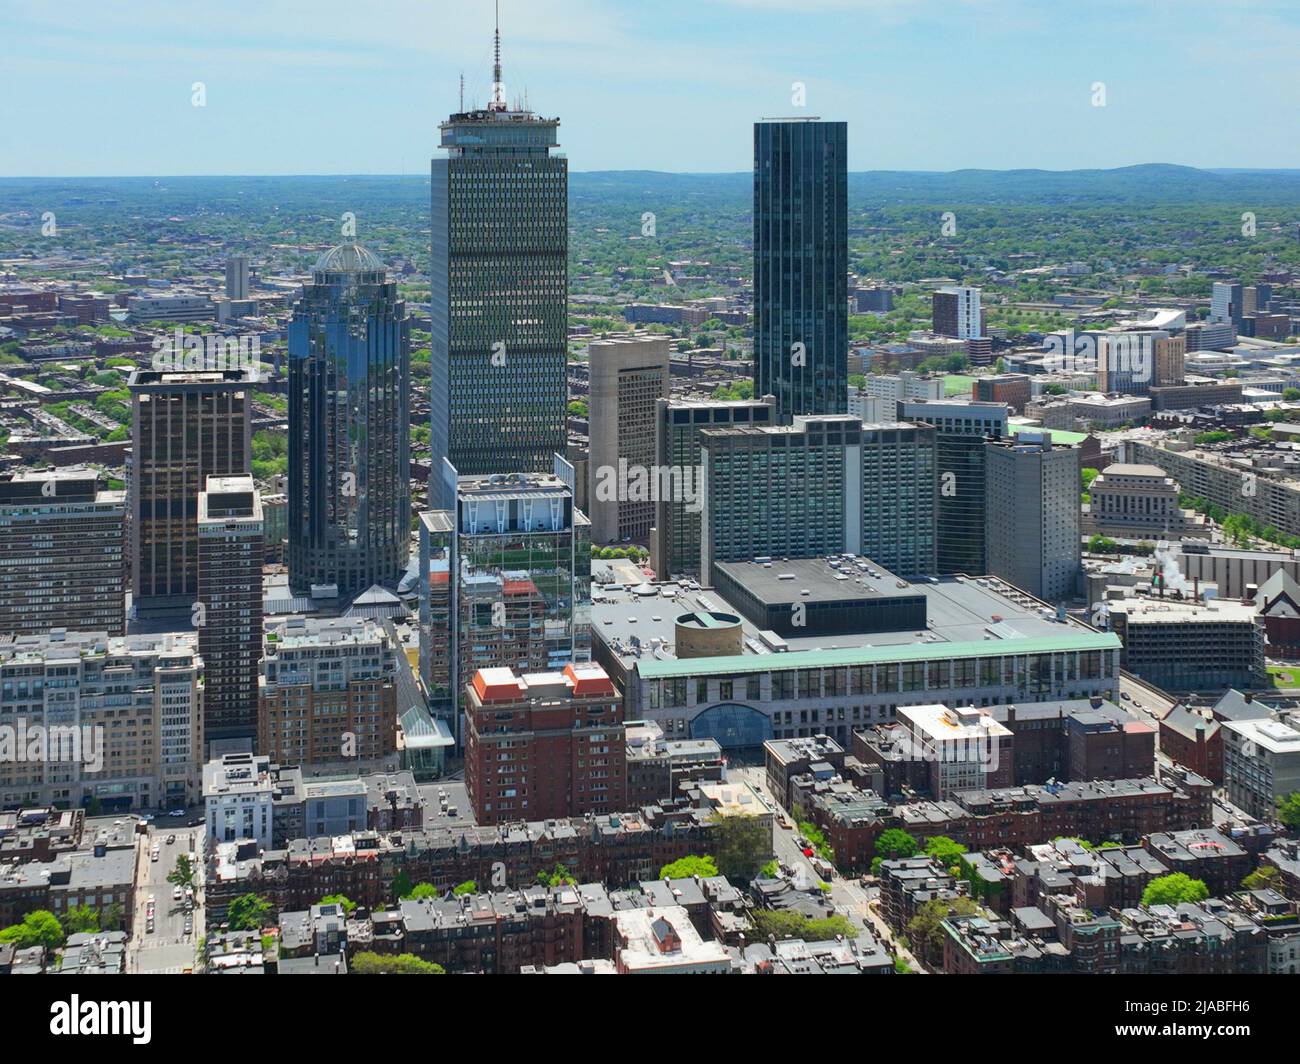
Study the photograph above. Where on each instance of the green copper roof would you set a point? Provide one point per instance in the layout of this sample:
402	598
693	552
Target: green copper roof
826	659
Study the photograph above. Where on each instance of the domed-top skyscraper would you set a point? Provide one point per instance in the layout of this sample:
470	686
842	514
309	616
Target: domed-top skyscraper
349	423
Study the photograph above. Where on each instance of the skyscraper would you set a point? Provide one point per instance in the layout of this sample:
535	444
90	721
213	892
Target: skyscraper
349	427
185	426
508	571
237	277
231	547
499	281
628	377
955	311
801	265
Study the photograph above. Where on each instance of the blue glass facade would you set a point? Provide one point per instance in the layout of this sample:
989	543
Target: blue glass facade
349	427
801	266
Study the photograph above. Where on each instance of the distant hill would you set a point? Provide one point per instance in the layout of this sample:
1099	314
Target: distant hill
1150	182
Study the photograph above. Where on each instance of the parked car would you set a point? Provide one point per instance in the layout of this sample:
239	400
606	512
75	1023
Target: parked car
177	812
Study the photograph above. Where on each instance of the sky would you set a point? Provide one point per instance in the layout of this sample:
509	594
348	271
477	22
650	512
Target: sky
107	87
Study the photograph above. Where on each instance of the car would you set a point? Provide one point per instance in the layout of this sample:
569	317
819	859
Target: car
1125	695
153	855
149	928
176	893
807	851
171	838
177	812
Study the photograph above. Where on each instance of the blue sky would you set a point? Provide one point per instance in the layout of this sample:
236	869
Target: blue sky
358	86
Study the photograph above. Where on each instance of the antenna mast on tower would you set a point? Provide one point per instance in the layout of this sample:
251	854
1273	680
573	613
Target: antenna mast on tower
498	89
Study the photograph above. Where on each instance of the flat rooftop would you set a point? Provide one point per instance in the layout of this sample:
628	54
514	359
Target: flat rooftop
637	624
845	577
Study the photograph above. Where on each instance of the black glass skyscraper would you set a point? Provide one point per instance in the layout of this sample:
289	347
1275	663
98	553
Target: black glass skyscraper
349	426
499	290
801	266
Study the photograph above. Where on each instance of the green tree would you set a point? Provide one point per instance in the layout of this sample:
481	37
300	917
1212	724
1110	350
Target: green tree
1291	394
1288	811
38	928
80	918
556	877
248	912
1266	877
742	845
339	899
468	887
786	924
686	867
183	874
924	930
428	890
1175	889
399	964
945	850
895	843
402	885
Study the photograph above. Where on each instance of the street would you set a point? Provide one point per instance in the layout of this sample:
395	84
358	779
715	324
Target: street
848	896
167	949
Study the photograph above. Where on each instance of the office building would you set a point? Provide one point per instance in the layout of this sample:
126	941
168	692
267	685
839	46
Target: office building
328	691
499	289
962	747
349	427
1261	762
877	399
62	553
1226	303
505	582
628	378
801	266
125	713
230	594
955	312
239	792
544	744
237	277
1008	389
185	427
1032	514
675	540
961	427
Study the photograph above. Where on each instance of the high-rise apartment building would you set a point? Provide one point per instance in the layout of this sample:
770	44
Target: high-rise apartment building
899	498
961	427
237	277
121	719
627	378
499	289
777	491
541	746
231	550
955	311
1033	514
349	427
185	427
62	553
824	485
328	691
801	266
516	554
675	540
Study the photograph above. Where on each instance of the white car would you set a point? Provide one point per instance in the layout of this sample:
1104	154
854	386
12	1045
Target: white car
176	893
